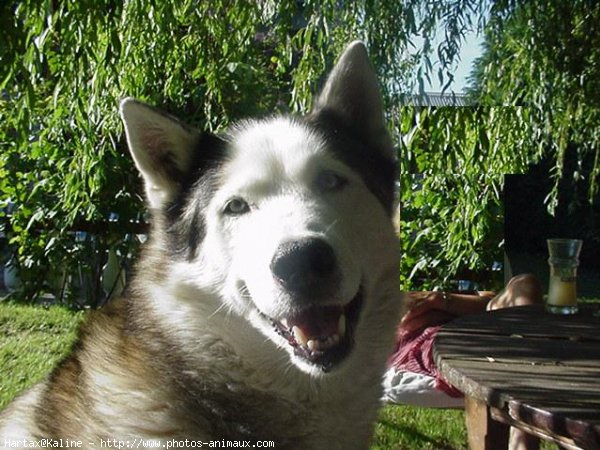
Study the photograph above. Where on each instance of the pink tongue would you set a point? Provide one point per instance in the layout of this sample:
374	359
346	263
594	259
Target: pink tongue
318	322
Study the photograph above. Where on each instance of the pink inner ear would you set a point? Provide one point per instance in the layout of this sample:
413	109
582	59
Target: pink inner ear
156	153
154	142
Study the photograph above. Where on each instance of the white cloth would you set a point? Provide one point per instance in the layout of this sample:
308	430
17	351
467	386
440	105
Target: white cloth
415	389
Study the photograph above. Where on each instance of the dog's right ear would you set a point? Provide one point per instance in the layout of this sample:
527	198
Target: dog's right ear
161	147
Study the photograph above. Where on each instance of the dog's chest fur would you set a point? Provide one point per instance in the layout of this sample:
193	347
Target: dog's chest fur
167	394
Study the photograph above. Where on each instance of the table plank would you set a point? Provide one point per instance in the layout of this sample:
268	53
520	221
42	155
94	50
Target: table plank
541	369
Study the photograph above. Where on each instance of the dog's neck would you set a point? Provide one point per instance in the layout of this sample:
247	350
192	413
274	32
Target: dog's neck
260	376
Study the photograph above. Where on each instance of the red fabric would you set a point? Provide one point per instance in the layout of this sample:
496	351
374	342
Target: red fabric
414	353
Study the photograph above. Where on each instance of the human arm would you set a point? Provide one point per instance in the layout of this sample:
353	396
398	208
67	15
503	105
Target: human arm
434	307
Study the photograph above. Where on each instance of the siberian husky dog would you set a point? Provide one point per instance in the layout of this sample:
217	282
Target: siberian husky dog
264	304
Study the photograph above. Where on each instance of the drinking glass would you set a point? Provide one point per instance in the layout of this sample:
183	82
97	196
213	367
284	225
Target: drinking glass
564	259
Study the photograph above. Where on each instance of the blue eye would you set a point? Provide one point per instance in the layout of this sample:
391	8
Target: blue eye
236	206
330	181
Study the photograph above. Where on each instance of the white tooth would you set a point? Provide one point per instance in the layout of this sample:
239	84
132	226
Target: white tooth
285	323
299	335
342	325
313	345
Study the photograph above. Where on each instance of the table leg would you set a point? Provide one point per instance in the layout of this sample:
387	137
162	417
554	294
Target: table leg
521	440
484	432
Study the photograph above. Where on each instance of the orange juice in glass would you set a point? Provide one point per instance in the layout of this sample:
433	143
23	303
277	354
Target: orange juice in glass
562	291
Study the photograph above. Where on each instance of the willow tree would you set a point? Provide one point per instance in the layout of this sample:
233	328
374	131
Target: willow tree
547	57
66	64
451	191
536	88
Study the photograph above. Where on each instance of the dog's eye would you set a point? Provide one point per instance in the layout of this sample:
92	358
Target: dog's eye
236	206
330	181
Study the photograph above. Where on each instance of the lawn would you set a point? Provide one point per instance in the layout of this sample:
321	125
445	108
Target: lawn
33	339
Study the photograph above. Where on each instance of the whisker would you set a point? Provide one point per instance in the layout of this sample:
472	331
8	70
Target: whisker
331	225
218	310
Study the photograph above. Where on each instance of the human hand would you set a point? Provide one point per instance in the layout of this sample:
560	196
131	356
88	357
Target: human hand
424	309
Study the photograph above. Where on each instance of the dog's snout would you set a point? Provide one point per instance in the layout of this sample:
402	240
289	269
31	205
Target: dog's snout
306	267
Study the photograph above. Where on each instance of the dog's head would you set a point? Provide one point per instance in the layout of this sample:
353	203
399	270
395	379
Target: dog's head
286	219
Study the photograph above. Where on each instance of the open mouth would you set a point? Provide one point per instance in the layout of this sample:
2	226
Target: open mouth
321	335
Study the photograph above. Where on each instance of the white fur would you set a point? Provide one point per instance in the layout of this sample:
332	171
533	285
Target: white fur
274	167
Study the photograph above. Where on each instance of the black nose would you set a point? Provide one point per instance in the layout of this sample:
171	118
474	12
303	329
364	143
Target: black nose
305	267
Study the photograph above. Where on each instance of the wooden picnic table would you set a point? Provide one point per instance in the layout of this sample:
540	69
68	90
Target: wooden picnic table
525	368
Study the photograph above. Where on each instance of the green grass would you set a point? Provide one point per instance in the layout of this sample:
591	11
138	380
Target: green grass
32	340
403	427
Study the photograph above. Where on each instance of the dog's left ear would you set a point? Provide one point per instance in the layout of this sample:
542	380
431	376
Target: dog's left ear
352	94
